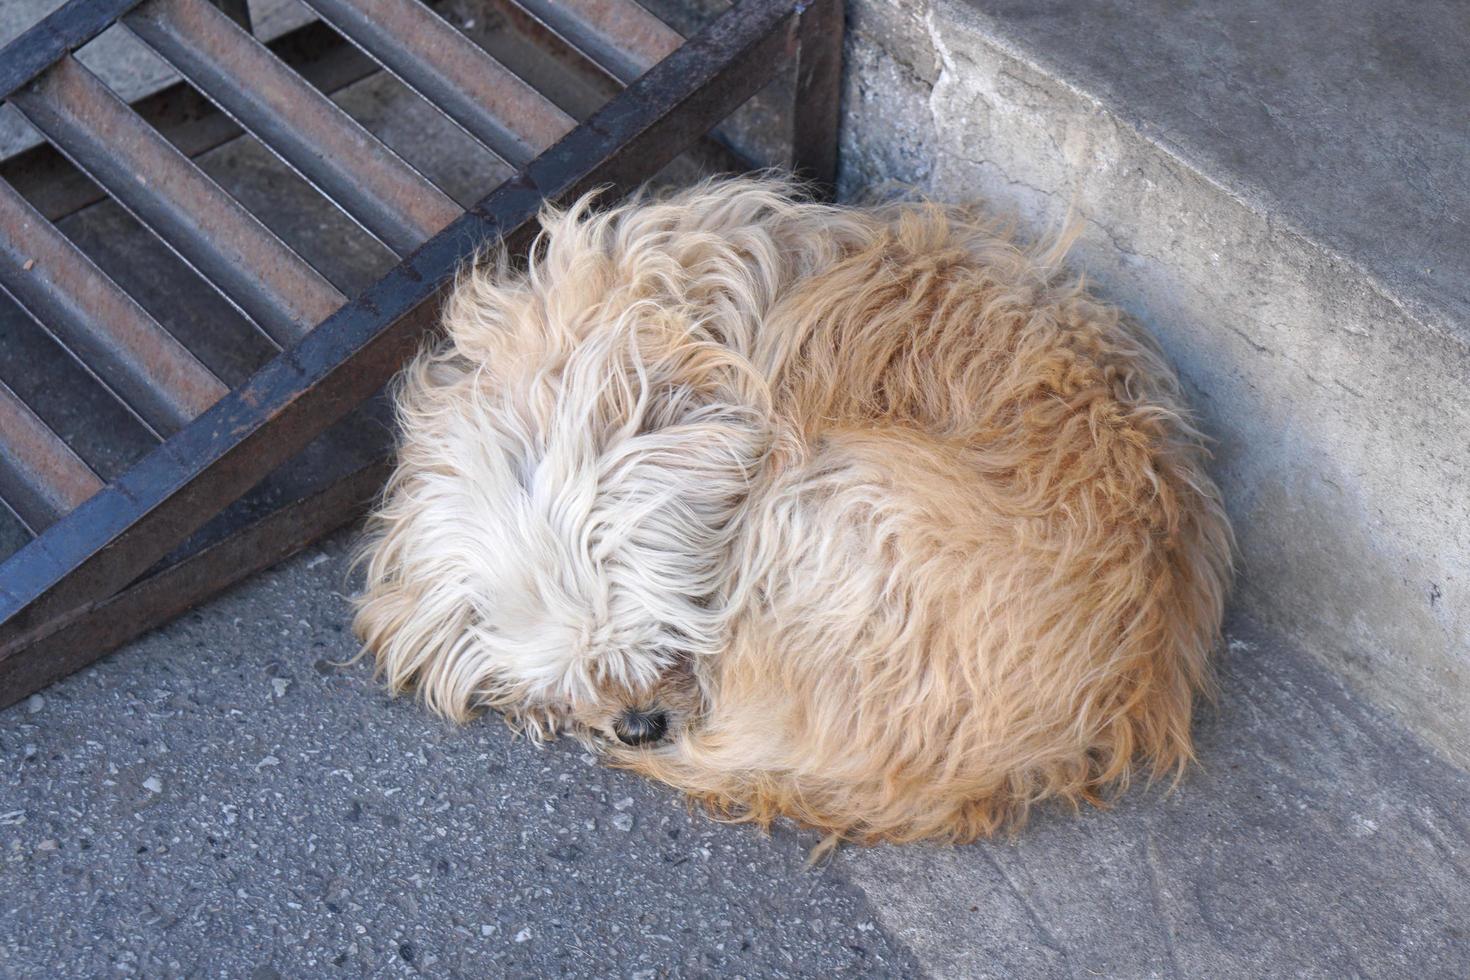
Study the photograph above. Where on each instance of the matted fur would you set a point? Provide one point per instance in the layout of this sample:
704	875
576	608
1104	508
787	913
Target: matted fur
906	530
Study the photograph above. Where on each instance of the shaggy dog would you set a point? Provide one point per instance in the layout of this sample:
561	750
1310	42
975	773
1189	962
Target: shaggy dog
857	517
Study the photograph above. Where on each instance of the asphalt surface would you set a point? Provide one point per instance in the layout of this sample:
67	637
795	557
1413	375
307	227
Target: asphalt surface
224	799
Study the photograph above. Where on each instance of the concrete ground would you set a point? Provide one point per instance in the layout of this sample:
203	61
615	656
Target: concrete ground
225	798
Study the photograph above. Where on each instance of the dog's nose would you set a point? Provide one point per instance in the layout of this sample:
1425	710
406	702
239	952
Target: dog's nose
641	727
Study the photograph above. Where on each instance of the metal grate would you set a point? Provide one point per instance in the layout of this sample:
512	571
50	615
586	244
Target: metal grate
109	559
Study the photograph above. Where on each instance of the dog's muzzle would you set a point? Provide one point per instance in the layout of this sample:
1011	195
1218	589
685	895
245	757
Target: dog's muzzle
641	727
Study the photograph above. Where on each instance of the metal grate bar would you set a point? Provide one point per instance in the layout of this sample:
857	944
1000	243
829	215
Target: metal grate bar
185	118
41	479
619	35
816	108
160	186
453	73
238	11
62	32
171	492
165	593
306	129
115	338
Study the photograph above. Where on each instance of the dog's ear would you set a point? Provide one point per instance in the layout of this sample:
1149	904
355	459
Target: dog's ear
572	469
562	526
670	430
419	637
419	608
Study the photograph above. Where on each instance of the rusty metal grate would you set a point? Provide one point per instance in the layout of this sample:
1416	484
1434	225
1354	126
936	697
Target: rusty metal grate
109	559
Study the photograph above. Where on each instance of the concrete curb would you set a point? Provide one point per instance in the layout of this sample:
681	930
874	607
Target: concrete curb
1338	410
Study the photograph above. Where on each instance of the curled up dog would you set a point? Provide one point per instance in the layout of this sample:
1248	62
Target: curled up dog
868	518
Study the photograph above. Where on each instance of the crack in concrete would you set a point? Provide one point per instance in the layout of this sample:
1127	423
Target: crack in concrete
1161	901
1048	939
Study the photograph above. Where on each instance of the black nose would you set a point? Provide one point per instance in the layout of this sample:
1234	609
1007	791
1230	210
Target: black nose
641	727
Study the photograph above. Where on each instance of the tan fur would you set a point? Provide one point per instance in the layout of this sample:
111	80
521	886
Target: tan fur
952	550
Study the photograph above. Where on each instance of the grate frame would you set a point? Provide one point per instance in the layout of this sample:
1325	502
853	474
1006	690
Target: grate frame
111	560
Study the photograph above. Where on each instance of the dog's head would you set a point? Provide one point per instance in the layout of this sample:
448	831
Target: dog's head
556	540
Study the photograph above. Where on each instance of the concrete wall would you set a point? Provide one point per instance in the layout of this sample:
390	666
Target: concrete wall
1342	420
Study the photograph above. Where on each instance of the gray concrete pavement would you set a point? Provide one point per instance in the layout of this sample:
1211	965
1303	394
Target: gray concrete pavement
1315	839
221	798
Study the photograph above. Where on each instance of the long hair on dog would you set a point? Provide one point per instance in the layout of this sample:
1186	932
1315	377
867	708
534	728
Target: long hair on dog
868	518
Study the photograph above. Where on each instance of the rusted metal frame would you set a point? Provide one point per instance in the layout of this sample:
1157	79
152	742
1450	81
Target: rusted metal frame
186	119
327	147
619	35
130	524
713	152
152	374
189	212
178	587
597	80
238	11
816	108
455	75
57	35
41	479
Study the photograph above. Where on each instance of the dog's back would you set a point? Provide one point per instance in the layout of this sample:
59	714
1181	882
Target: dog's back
879	521
990	567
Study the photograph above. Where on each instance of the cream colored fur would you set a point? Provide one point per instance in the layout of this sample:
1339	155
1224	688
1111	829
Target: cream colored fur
905	529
